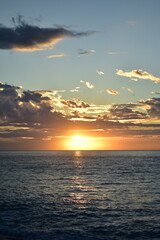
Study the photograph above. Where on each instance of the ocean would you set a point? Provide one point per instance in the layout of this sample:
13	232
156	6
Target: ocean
80	195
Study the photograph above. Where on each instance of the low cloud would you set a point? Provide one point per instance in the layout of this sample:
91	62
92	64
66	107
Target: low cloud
152	107
88	84
113	92
138	74
126	112
36	117
26	37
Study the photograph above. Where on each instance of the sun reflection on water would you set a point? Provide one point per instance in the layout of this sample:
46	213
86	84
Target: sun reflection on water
77	153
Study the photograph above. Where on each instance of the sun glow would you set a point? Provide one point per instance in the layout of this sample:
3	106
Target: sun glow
78	142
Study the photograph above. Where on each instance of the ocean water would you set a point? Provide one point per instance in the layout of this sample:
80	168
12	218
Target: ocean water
80	195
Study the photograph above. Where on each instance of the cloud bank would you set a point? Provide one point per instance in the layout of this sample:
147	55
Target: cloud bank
39	116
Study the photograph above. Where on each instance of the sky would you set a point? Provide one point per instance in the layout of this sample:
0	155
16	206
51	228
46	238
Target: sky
79	75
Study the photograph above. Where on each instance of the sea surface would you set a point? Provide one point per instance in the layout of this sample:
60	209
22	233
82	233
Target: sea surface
80	195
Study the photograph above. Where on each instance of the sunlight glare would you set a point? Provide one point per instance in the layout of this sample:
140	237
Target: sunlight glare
78	142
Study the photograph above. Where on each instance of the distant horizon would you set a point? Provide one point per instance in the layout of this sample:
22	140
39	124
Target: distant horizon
27	150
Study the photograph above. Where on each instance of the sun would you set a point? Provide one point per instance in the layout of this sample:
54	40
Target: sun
78	142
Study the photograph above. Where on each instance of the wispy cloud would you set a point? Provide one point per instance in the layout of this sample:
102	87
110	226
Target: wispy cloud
100	72
129	90
134	79
138	74
116	53
155	93
85	52
113	92
88	84
75	90
26	37
56	55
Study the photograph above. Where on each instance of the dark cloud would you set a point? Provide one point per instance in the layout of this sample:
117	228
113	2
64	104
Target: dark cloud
26	37
35	96
25	107
126	112
153	107
8	90
75	104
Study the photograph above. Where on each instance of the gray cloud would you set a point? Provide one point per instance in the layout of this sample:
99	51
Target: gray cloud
86	52
155	93
152	106
125	113
75	104
25	107
35	96
26	37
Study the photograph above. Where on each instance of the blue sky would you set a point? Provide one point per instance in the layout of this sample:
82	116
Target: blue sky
123	44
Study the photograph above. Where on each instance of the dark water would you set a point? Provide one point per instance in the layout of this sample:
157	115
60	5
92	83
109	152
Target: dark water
80	195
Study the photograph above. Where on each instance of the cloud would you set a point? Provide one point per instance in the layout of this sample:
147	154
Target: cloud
100	72
75	103
29	107
126	112
56	55
134	79
138	74
86	52
75	90
113	92
34	118
88	84
129	90
116	53
155	93
152	107
26	37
